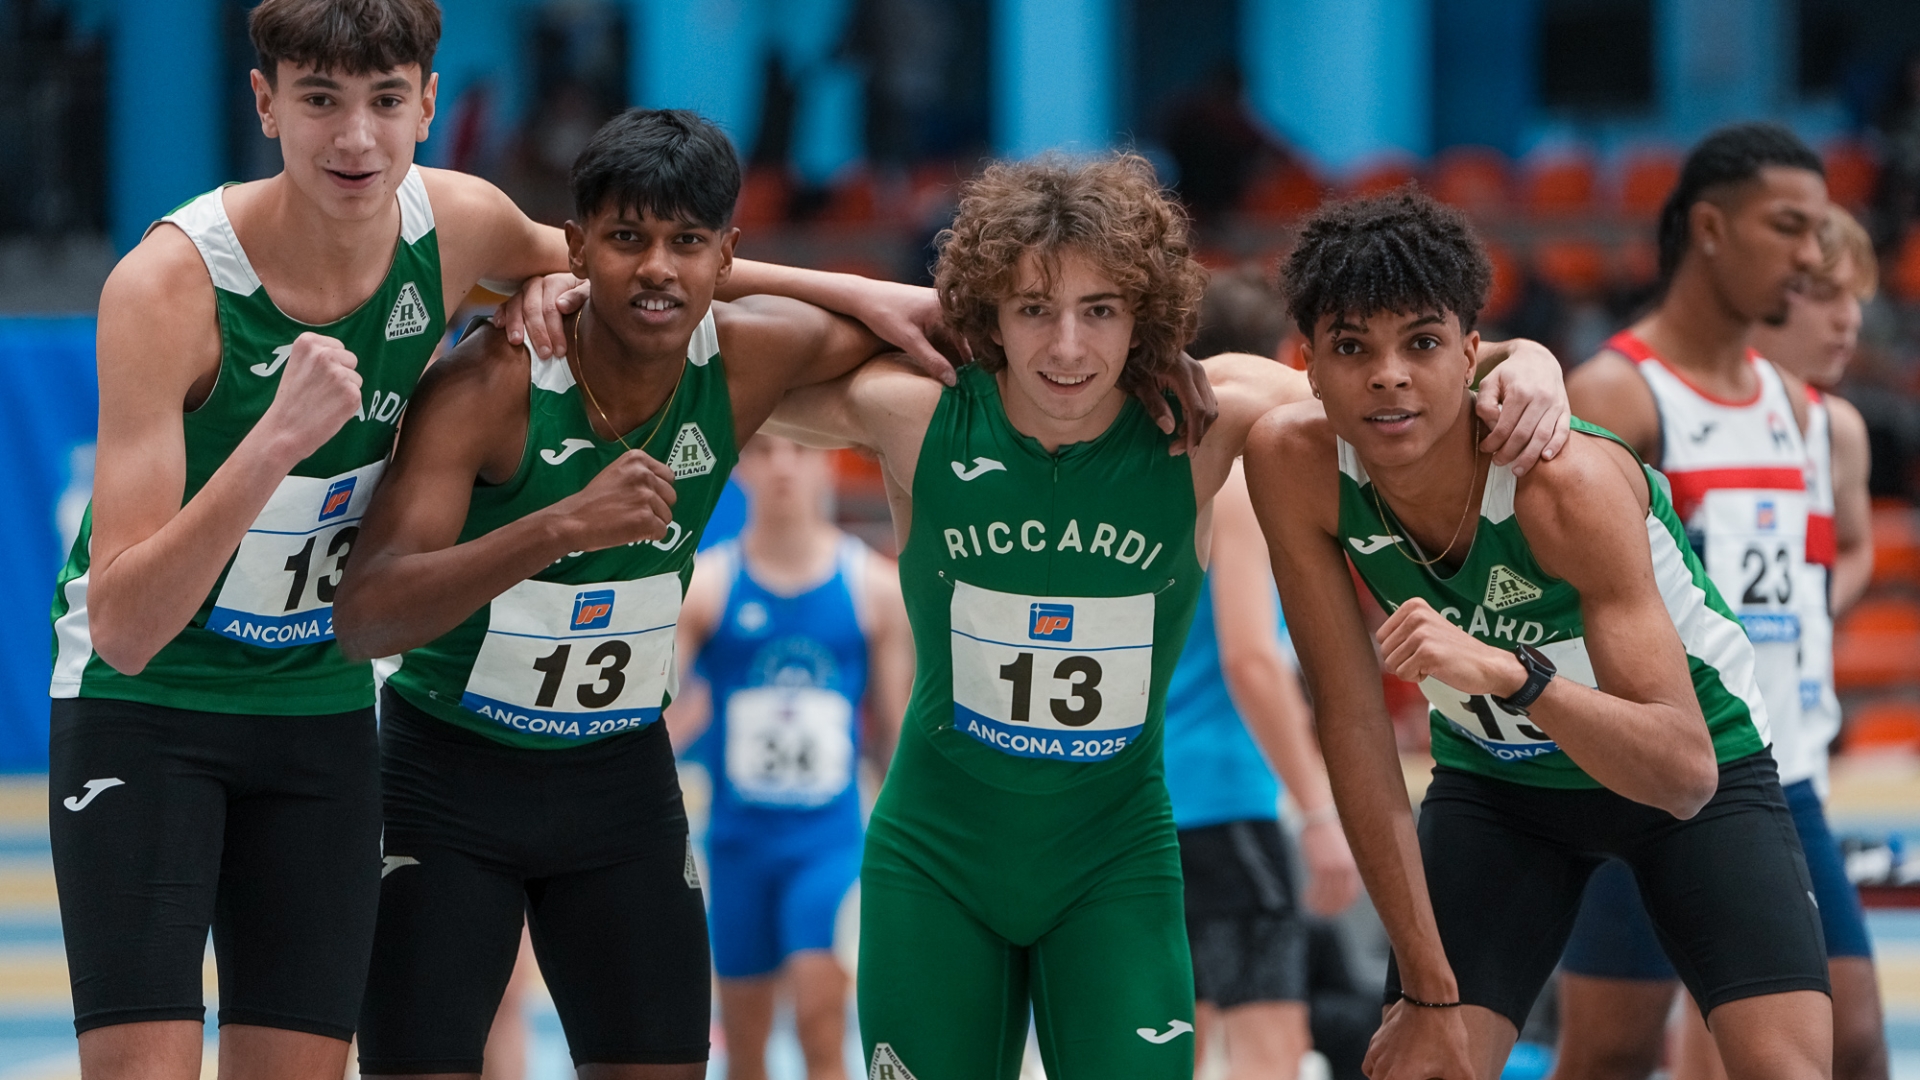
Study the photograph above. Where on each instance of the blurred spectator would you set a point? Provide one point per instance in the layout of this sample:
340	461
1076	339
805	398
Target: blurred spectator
1216	143
1240	312
926	68
1897	200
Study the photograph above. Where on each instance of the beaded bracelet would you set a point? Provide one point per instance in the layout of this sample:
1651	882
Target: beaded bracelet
1411	1000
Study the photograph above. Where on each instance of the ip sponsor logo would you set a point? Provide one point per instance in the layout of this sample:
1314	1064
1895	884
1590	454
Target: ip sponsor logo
1765	517
592	610
339	497
1050	622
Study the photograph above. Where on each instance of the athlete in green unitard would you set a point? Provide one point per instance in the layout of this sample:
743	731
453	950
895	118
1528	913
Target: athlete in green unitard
1022	853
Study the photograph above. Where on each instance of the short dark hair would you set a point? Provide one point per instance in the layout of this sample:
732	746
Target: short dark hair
353	37
1729	156
1400	252
670	163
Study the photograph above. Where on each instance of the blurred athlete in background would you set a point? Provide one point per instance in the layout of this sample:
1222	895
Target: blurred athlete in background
798	634
1235	715
1684	387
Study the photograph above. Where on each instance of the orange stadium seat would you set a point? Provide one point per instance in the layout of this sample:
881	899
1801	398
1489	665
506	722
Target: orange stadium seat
1560	185
1380	177
1892	724
763	197
1896	544
1283	192
1851	173
1905	278
1577	268
1473	178
1646	177
1877	644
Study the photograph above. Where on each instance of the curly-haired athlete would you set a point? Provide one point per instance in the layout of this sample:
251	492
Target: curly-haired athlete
1022	853
1592	695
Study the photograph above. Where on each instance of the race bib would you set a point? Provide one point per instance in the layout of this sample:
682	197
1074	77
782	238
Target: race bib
577	661
789	745
279	590
1052	677
1508	736
1755	547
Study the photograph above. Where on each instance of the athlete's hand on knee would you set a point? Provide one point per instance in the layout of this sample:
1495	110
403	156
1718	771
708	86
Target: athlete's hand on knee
319	392
1523	402
1415	1043
535	312
629	502
1187	379
1417	642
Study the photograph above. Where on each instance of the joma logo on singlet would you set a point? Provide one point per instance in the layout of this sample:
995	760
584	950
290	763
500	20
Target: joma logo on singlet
1032	536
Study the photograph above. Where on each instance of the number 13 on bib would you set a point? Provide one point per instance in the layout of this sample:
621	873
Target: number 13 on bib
1051	677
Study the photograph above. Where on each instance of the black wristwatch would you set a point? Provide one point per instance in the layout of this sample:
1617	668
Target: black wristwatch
1540	671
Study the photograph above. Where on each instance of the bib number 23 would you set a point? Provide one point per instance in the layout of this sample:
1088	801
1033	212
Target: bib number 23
1054	677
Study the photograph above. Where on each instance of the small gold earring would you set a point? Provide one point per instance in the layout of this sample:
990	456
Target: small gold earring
1315	389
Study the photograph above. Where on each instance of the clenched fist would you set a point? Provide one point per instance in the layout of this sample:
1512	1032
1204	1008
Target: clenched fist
630	501
1417	642
319	392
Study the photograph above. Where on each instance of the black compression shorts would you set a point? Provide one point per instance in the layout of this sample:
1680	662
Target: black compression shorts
1244	923
1727	889
166	822
588	844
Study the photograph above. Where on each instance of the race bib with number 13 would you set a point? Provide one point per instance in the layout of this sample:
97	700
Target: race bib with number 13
279	591
1066	678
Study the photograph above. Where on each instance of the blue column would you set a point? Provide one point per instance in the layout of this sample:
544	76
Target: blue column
1053	75
1718	62
828	136
1343	81
1484	91
703	55
163	107
481	44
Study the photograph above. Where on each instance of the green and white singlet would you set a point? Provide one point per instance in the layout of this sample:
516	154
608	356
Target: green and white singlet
262	641
1502	597
584	648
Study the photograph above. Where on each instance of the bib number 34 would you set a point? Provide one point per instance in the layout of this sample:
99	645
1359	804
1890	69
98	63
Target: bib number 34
1054	677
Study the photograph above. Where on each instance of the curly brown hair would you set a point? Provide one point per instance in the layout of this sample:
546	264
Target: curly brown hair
1112	210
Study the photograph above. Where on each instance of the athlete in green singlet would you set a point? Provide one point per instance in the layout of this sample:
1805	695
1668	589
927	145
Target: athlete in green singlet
1022	853
1591	693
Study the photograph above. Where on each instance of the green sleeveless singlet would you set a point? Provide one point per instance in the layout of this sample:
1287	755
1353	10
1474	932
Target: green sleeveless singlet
262	641
1049	593
584	648
1502	597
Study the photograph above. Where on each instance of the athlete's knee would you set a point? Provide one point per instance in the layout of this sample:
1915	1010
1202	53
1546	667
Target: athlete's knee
1859	1045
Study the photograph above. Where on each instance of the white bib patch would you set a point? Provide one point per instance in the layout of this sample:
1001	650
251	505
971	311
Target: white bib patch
1066	678
279	591
789	746
1756	555
1508	736
576	661
410	315
690	456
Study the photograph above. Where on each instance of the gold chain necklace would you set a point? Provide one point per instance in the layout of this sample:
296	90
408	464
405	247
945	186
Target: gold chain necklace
580	358
1464	511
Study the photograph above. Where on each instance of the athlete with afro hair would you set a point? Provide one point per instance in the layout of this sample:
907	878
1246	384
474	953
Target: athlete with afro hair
1590	692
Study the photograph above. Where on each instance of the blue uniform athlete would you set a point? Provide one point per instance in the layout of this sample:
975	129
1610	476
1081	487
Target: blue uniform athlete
798	632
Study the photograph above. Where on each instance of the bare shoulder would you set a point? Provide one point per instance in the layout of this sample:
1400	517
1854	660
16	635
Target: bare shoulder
157	311
483	377
1589	490
1607	376
1292	463
754	327
1846	421
462	199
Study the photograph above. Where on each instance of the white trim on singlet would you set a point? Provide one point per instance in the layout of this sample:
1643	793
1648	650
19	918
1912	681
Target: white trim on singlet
73	636
555	375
